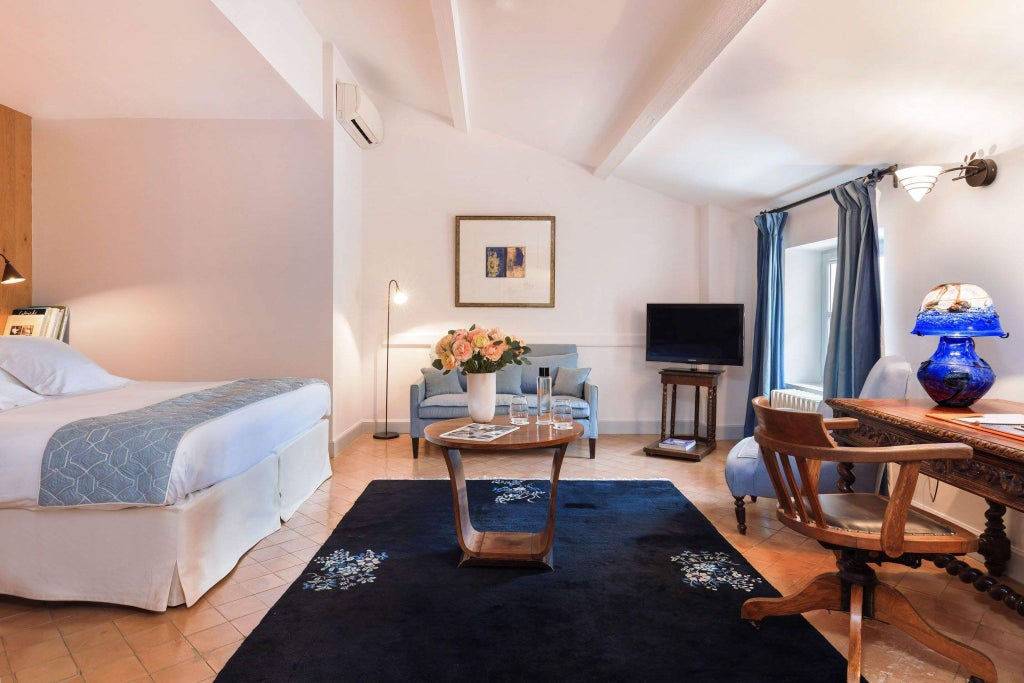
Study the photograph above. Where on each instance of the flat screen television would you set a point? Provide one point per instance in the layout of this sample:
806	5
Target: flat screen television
698	334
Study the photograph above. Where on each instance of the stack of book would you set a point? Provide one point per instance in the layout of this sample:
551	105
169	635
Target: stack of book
674	444
37	321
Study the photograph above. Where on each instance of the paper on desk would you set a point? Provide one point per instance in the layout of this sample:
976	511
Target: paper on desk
995	418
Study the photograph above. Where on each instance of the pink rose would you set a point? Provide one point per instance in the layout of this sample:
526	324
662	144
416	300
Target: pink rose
462	350
496	334
448	361
493	351
443	345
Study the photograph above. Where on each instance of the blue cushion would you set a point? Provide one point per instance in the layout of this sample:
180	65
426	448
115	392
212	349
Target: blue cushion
509	380
530	372
436	382
569	381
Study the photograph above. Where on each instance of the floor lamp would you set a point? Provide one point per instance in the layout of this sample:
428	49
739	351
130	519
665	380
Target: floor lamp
399	298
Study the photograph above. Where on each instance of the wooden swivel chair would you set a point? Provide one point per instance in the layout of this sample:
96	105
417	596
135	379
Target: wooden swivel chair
860	528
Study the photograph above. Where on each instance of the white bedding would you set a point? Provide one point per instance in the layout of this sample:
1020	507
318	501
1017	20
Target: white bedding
210	453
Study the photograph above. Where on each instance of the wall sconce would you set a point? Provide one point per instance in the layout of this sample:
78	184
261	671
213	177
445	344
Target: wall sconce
919	180
11	275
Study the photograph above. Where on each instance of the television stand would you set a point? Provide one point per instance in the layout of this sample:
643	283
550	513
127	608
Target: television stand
696	379
694	370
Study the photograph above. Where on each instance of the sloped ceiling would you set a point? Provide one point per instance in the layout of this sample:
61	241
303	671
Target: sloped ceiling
71	59
805	94
742	103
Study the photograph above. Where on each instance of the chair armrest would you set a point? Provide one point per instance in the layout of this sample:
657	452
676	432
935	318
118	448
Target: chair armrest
590	395
841	423
871	454
894	523
417	392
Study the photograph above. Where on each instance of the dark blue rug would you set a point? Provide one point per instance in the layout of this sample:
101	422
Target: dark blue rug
644	589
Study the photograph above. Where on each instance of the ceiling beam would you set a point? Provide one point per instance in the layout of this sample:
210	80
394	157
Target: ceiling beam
708	36
449	42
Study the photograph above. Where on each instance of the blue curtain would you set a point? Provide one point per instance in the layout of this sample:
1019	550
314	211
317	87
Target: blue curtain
766	358
855	331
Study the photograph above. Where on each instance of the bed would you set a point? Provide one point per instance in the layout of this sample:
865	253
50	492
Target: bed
232	480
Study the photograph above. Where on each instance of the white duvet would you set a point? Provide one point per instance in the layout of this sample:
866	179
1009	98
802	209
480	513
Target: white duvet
212	452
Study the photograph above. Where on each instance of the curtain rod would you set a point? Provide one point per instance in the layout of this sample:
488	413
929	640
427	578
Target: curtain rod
878	172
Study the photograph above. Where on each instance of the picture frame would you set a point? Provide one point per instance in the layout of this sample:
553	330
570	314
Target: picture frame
505	261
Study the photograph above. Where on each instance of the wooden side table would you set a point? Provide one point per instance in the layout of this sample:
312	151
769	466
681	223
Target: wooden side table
502	548
696	379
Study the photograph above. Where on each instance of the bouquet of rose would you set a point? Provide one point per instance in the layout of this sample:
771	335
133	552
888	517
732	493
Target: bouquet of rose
478	350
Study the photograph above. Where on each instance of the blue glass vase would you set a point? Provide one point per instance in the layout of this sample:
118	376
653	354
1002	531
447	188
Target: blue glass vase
955	376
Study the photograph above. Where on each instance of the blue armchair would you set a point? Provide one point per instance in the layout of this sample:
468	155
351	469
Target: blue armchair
747	475
425	410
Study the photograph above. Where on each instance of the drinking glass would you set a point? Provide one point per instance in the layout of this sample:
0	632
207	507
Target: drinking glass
519	410
562	414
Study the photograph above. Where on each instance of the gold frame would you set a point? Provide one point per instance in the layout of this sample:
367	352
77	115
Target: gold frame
458	271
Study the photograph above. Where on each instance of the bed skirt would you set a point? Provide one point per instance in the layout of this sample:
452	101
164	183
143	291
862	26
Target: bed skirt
157	557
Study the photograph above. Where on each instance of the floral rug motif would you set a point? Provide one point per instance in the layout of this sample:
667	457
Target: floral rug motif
709	570
516	490
342	570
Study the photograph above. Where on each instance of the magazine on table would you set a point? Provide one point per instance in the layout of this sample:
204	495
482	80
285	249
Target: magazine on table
479	432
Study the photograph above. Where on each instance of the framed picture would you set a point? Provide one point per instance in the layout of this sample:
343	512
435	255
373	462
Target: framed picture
505	261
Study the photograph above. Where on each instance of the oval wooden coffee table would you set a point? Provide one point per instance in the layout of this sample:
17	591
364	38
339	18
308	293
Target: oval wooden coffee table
502	548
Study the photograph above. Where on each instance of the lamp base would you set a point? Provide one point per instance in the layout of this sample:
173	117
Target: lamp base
385	435
955	376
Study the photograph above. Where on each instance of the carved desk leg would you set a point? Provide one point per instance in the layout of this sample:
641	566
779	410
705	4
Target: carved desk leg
995	546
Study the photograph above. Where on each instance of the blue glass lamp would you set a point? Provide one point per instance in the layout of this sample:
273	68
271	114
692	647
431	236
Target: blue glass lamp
955	375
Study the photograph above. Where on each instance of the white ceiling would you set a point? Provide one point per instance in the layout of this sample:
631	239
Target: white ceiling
806	95
693	99
84	59
813	93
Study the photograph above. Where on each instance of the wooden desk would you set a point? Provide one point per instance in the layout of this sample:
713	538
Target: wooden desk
996	472
694	378
502	548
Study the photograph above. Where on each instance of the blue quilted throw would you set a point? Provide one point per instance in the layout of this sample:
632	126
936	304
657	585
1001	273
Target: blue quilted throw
127	457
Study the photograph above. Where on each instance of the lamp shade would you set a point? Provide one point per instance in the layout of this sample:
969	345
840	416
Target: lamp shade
918	180
958	310
11	275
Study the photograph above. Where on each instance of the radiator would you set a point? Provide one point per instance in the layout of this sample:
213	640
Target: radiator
794	399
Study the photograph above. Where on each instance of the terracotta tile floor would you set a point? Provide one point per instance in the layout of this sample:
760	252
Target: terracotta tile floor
75	642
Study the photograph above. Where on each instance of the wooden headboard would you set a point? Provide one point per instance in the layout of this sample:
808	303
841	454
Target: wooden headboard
16	206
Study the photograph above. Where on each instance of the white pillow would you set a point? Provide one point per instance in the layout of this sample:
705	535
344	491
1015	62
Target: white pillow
52	368
13	393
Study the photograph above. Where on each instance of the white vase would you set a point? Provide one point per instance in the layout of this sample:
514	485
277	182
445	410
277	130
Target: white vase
480	395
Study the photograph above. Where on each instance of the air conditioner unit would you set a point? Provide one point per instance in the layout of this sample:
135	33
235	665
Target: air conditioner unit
358	116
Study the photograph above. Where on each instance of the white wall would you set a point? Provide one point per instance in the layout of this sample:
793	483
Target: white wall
348	265
187	249
729	275
959	234
207	249
618	247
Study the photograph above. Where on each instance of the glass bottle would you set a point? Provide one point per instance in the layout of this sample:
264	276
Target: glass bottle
544	396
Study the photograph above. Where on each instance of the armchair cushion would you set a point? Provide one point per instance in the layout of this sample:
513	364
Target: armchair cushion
530	372
509	379
438	383
569	381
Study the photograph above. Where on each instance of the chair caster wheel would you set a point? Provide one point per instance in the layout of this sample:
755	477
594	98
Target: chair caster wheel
755	623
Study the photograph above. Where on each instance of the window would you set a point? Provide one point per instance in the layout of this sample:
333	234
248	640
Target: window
829	266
